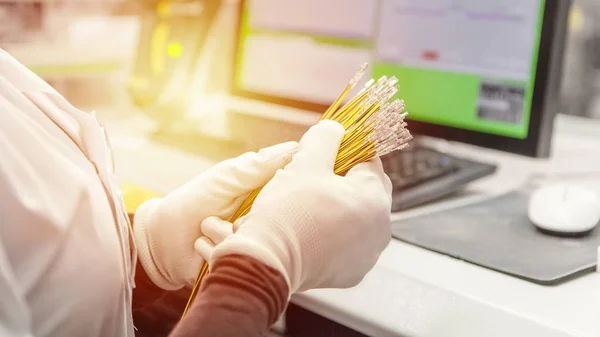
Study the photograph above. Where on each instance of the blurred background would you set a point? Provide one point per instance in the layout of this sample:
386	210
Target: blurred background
581	80
88	49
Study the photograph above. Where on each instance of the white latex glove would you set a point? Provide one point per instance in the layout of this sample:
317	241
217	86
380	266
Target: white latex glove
320	230
165	229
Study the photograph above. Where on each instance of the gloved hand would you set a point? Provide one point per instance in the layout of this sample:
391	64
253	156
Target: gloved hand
165	229
319	229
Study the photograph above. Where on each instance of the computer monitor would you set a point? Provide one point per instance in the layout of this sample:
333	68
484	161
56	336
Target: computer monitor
484	72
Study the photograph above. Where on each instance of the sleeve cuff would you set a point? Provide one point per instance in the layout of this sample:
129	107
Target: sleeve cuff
249	248
142	221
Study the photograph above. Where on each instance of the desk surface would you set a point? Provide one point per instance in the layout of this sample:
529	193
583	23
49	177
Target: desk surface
412	291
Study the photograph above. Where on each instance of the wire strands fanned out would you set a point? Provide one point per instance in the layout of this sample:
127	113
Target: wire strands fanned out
374	127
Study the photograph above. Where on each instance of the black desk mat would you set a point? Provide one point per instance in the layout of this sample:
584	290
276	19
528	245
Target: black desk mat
498	235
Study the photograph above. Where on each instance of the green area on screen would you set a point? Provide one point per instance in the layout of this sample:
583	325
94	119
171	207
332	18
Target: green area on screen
434	96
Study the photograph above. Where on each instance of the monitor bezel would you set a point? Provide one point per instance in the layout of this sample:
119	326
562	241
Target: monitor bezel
544	105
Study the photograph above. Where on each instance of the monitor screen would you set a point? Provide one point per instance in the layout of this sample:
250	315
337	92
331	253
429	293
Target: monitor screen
468	64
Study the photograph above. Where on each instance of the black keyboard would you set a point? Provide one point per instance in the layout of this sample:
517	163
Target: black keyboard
420	175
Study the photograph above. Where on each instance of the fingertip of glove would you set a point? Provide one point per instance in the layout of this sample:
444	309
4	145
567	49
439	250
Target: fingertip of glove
291	144
320	143
328	125
283	151
211	219
203	247
279	148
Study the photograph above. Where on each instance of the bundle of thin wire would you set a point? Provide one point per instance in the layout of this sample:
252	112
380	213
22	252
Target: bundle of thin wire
374	127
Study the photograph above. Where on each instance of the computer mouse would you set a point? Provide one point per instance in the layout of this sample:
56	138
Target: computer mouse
564	209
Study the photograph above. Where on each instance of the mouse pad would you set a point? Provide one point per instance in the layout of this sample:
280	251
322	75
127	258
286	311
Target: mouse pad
498	235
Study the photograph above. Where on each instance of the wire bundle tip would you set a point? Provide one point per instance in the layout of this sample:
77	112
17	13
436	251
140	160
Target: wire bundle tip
359	74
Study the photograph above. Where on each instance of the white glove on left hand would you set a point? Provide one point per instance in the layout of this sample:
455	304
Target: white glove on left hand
165	229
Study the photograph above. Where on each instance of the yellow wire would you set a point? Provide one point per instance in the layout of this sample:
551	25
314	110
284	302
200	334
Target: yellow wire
337	102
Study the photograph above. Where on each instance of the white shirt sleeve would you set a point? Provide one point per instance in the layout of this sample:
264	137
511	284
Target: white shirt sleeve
14	313
15	317
33	211
62	257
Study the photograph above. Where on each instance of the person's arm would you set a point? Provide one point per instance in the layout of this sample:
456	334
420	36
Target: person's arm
240	297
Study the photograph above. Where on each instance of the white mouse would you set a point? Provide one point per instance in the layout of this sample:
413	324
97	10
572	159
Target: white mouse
564	209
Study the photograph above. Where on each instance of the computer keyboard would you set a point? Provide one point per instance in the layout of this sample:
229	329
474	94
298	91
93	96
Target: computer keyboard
420	175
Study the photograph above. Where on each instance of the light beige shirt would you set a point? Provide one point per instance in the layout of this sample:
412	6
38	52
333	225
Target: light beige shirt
66	256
